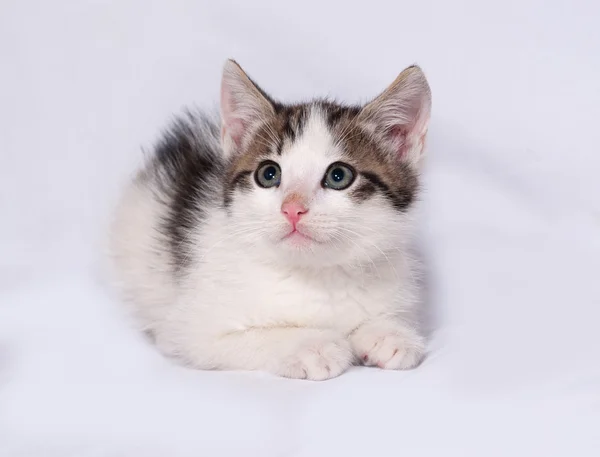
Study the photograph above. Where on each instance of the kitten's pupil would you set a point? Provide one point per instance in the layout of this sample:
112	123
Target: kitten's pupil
337	174
270	173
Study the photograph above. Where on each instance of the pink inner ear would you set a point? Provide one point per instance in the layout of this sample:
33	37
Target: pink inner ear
232	125
235	129
398	133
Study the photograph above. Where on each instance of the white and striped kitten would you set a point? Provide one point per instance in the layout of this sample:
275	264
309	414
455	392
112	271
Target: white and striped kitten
278	240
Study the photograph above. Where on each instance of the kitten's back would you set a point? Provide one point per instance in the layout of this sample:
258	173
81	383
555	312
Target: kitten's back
173	193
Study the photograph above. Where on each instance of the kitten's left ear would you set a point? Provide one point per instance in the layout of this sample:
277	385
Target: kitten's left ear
243	107
399	117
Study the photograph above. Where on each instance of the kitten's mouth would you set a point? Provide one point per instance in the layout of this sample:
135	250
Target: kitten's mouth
297	236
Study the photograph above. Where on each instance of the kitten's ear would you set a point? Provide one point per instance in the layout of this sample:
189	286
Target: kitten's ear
243	106
399	117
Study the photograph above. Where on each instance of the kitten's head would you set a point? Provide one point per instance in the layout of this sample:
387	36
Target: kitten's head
321	183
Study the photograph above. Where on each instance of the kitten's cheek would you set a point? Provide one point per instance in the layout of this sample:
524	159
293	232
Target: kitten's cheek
278	232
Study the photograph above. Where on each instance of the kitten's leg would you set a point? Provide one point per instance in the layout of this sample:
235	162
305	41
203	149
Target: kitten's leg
389	344
304	353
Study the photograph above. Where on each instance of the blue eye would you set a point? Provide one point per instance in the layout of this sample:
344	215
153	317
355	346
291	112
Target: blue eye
339	176
268	174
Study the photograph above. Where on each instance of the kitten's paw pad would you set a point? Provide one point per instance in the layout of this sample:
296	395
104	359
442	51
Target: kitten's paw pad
389	350
317	361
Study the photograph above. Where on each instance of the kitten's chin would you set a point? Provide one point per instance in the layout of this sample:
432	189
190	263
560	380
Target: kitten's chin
299	239
303	248
300	250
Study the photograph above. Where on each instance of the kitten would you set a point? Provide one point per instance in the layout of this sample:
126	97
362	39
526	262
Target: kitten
277	239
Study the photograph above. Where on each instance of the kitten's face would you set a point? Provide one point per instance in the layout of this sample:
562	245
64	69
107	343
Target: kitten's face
311	187
319	183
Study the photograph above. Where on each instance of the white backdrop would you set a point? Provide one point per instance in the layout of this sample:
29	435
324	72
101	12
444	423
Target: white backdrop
511	229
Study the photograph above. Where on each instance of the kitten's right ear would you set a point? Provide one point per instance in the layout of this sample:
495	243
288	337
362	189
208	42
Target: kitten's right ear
243	107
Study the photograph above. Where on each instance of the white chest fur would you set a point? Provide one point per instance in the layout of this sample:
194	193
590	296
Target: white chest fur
238	292
237	309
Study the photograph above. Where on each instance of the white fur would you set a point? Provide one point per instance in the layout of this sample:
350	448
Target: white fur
252	301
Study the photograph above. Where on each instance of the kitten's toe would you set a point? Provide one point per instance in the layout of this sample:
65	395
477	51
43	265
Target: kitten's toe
391	349
317	360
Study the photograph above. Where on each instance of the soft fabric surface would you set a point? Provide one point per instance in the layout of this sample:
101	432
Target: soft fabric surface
510	230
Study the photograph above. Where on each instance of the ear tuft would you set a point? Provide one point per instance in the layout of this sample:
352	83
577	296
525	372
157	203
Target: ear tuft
243	106
399	117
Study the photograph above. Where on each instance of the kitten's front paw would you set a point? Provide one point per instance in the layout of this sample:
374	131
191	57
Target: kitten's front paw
317	359
388	347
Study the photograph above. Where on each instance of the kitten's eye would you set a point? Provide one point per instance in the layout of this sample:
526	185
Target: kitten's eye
339	176
268	174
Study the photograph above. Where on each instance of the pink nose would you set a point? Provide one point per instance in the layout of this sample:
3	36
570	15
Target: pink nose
293	211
